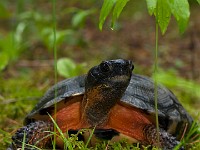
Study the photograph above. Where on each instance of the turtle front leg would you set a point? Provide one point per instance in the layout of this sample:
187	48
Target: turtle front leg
34	134
167	141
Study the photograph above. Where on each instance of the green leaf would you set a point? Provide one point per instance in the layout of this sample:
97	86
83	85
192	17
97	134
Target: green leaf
4	60
198	1
19	32
11	46
79	18
105	10
151	5
180	9
47	36
68	68
117	10
164	15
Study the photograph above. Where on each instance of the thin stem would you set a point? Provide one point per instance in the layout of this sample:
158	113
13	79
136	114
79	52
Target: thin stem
55	64
155	77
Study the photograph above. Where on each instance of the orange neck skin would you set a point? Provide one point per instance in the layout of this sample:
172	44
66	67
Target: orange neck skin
97	104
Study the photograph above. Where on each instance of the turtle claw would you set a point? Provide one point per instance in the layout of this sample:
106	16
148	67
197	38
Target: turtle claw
34	134
166	141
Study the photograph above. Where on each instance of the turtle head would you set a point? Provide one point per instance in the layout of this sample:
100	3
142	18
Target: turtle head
105	84
112	73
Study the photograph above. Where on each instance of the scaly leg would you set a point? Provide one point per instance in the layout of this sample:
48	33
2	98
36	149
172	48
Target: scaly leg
36	134
167	141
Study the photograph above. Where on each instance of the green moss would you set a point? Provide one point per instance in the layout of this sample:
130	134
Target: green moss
18	96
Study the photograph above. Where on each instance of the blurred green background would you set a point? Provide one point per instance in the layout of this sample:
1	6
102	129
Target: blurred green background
27	56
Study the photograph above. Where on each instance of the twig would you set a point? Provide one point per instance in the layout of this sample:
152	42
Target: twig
7	101
185	128
35	63
194	137
194	142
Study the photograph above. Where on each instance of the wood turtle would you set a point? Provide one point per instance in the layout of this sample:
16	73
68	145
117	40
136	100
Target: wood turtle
111	99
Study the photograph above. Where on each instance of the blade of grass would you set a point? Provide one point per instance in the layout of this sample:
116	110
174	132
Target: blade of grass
24	141
33	147
49	135
57	127
90	137
55	61
62	136
155	79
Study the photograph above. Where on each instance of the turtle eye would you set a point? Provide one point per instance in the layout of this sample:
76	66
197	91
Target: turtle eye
105	67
